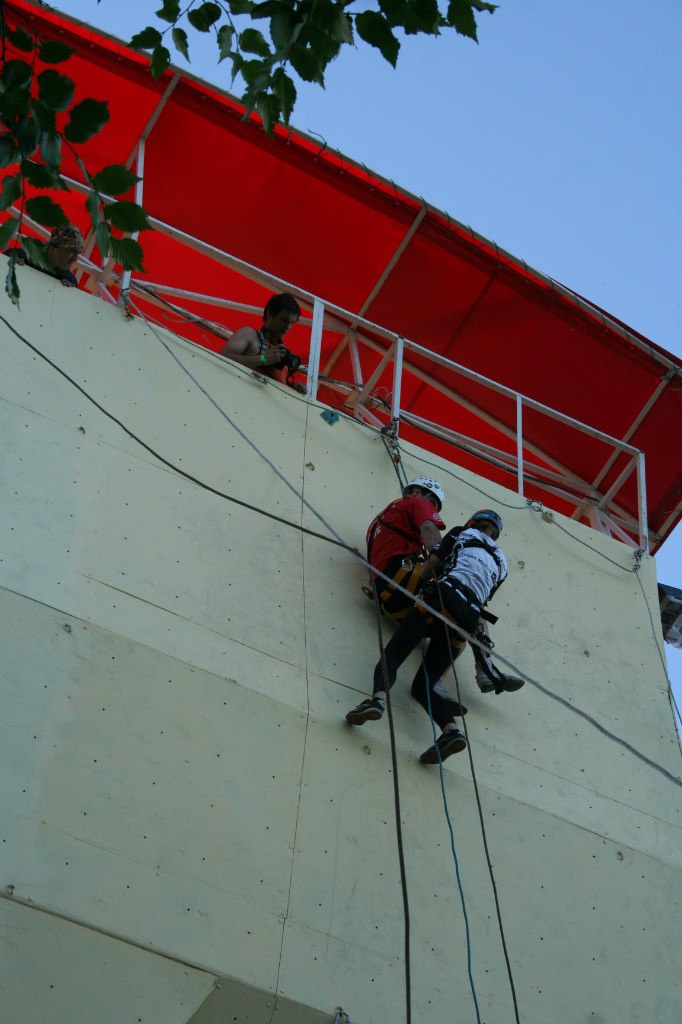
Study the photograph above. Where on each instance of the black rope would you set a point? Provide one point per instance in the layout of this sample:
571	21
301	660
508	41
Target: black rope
484	835
347	547
398	820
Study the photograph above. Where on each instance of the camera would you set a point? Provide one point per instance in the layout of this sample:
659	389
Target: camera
289	361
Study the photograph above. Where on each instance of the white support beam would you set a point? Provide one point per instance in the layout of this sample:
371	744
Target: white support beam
361	397
355	360
397	381
641	504
519	443
315	349
139	194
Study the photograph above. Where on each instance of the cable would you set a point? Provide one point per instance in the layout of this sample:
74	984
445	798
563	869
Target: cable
479	806
398	818
337	540
452	836
671	695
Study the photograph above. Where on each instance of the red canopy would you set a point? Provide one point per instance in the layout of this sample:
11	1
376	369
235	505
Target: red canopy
314	219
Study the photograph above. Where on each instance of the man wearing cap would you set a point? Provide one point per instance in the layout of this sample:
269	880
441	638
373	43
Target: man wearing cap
397	538
62	249
471	568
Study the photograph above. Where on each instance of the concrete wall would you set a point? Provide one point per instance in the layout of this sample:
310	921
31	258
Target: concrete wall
189	829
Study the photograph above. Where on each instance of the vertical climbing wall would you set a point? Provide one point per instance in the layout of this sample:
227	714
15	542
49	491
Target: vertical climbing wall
190	832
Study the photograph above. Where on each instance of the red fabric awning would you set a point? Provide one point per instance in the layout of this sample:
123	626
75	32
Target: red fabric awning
296	210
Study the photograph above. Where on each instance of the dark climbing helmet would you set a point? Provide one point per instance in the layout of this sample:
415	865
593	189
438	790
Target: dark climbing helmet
486	515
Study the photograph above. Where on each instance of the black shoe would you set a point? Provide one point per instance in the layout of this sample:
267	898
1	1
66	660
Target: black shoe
367	711
502	683
450	742
511	683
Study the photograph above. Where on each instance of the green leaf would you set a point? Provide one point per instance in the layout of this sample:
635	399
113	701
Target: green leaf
51	149
86	119
52	51
240	6
20	38
92	205
36	253
170	11
11	190
147	39
127	216
8	150
201	18
14	104
285	91
45	118
462	18
114	179
103	238
180	42
267	9
11	286
268	109
341	28
225	40
46	211
256	77
307	64
280	31
7	231
252	41
160	61
237	64
375	30
128	253
28	136
41	176
16	74
55	90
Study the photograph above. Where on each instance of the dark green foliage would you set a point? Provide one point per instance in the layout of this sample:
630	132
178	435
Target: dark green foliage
127	216
52	51
55	90
87	118
7	231
10	191
114	180
160	61
128	253
46	211
36	253
304	37
20	38
8	149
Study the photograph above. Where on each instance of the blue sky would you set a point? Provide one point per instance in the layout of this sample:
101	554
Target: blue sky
558	136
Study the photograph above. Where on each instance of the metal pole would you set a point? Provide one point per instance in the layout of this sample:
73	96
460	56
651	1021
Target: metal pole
641	504
139	170
315	348
519	442
397	380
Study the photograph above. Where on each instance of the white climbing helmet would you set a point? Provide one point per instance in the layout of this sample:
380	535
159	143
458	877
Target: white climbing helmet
430	485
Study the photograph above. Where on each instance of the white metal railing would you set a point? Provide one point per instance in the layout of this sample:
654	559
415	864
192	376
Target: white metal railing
549	474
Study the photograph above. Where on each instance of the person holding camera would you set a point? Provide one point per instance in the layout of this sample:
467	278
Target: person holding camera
264	350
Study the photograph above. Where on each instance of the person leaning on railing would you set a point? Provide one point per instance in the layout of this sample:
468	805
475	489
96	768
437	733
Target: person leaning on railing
62	249
264	350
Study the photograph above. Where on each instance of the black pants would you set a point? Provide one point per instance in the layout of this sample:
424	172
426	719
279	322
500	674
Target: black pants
409	634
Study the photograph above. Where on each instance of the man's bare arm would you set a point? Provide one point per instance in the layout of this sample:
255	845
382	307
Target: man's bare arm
430	534
243	348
